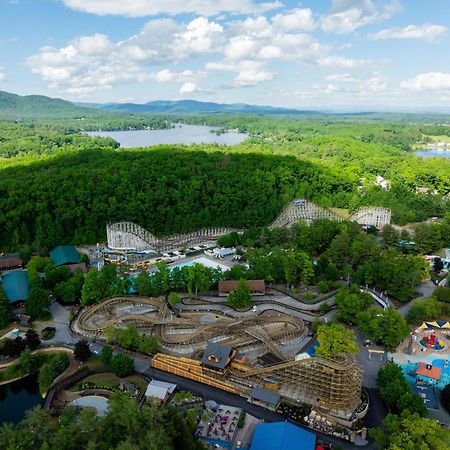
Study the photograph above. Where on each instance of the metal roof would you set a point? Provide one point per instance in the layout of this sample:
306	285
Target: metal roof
282	436
270	397
216	355
64	254
427	394
15	285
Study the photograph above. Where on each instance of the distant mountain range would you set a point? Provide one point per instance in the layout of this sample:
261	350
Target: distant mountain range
192	107
38	106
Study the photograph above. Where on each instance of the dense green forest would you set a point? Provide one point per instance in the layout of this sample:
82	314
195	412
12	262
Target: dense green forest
60	186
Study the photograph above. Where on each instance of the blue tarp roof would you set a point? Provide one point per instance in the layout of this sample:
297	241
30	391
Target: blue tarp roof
282	436
64	254
15	285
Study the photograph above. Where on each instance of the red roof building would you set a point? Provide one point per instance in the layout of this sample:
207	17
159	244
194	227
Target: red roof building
427	370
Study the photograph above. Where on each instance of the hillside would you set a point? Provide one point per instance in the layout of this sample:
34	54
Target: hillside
194	107
32	106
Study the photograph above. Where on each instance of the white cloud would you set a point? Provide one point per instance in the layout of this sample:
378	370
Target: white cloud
430	81
165	76
2	74
342	62
188	88
295	20
90	63
427	33
347	16
142	8
351	84
252	77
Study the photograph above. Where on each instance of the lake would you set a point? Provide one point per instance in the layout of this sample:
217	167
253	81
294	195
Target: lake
433	153
18	397
181	134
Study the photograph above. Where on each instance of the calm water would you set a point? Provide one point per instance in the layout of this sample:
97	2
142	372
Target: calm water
433	153
17	397
181	134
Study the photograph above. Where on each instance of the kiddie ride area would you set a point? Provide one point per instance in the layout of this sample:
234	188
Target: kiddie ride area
432	342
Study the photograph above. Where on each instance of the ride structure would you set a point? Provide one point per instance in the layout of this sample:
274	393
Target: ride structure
128	235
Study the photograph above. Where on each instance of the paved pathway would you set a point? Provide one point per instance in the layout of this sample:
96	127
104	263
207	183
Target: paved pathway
425	290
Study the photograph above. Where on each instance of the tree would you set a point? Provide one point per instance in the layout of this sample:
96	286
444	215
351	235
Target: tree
445	397
442	294
51	369
122	365
5	309
28	362
438	265
106	355
242	297
426	309
82	350
38	299
202	278
32	340
396	393
410	432
149	344
143	284
334	338
351	302
174	299
387	326
390	236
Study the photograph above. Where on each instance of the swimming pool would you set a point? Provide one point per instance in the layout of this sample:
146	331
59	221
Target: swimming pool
201	260
409	370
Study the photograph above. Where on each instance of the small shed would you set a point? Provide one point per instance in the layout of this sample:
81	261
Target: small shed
218	356
266	396
65	254
159	391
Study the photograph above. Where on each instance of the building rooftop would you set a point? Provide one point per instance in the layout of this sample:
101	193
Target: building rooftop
13	260
427	370
65	254
282	436
217	355
427	394
15	285
226	286
159	389
265	395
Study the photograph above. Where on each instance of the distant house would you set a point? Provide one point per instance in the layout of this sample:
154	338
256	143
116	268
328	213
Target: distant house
257	287
282	436
159	391
15	285
74	267
65	254
10	262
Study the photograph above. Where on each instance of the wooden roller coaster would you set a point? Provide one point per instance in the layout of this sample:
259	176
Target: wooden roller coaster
128	235
187	329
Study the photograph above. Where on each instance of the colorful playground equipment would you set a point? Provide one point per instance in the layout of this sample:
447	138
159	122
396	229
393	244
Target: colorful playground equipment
432	342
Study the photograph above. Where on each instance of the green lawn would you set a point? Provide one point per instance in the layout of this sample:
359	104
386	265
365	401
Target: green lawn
107	379
139	381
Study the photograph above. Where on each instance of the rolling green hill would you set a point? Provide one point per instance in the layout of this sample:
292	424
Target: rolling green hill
32	106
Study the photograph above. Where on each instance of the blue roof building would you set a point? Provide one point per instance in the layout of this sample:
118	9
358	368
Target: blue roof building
282	436
65	254
15	285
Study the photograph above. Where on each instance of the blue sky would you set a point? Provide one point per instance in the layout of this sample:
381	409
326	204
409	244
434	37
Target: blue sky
337	54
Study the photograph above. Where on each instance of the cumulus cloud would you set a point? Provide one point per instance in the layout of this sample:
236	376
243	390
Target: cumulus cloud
347	83
297	19
427	33
252	77
430	81
165	76
90	63
2	74
142	8
189	88
342	62
347	16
